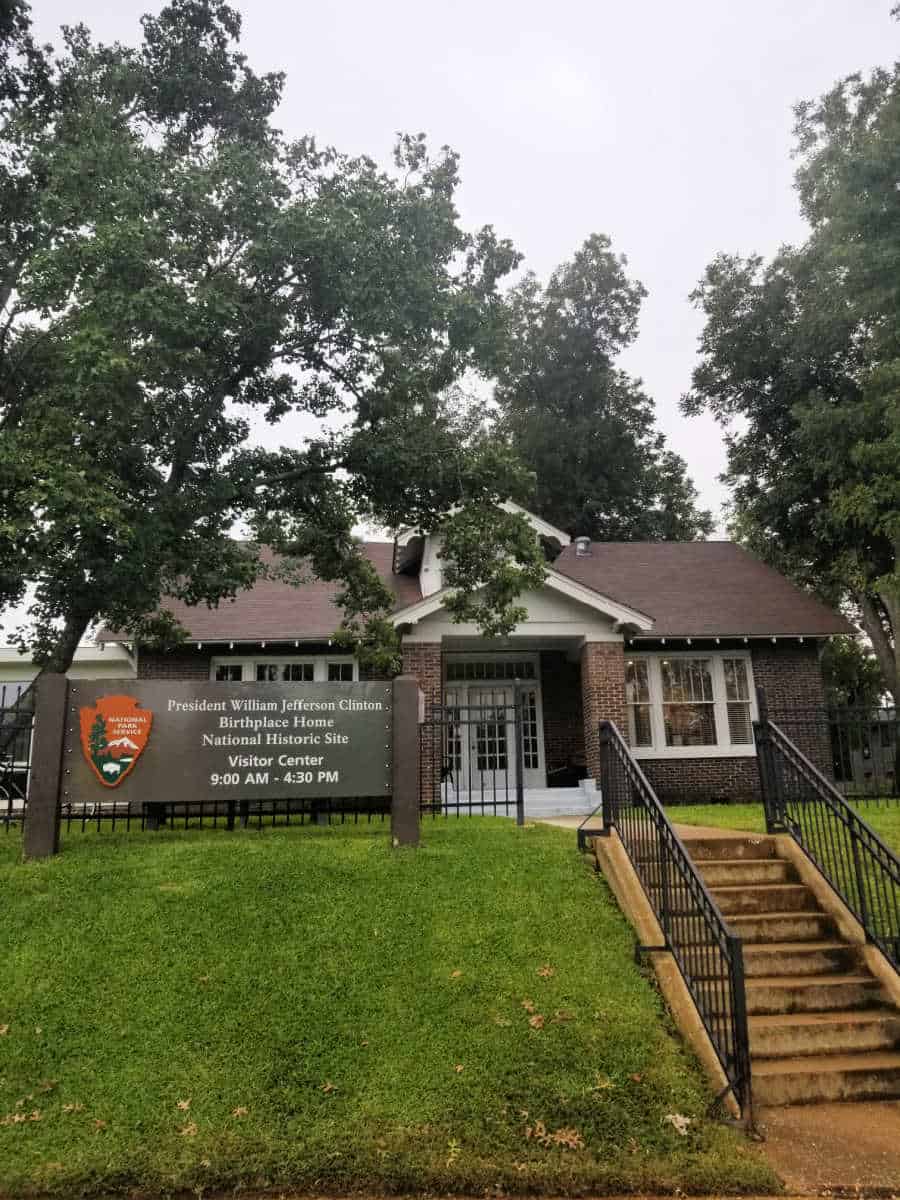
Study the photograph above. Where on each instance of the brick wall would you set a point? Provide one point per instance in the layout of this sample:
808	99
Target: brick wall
603	695
563	717
795	691
702	780
185	663
423	660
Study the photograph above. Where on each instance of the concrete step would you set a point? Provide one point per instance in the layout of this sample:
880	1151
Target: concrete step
783	927
725	872
813	993
752	846
839	1032
800	958
750	899
802	1080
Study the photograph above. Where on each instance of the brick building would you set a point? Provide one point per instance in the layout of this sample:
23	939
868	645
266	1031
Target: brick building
669	640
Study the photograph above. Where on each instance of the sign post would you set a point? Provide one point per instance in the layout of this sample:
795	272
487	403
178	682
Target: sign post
405	808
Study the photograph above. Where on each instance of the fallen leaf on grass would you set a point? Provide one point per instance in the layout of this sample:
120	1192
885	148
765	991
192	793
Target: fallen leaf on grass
205	1162
35	1115
38	1029
566	1137
678	1122
455	974
189	1130
546	971
636	1077
203	979
458	1068
184	1105
73	1106
240	1111
536	1022
528	1005
328	1087
98	1124
4	1030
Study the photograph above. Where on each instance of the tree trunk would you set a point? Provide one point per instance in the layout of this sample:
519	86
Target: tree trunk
60	657
884	645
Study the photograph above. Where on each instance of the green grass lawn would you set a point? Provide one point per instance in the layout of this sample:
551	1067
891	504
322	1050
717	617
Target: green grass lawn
884	819
307	1008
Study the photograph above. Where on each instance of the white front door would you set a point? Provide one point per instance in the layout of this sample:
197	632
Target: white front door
480	749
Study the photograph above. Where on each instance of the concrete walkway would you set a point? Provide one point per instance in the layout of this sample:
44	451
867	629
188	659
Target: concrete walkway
822	1149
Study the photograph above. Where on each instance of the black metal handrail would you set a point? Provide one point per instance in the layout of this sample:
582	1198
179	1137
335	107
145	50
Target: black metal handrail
800	801
709	956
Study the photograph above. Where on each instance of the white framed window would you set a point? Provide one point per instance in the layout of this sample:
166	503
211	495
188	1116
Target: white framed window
690	704
284	668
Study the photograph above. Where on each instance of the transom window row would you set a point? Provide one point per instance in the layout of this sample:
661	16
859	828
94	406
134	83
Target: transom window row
457	671
285	670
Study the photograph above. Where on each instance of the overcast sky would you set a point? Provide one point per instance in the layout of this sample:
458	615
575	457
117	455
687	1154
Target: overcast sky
666	125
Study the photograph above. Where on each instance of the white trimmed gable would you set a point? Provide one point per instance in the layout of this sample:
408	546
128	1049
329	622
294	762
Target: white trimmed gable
561	608
431	574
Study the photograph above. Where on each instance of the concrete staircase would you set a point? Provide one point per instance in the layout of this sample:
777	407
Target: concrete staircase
822	1027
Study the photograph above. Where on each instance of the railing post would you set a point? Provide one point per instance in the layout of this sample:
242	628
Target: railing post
741	1028
519	697
42	810
860	882
765	761
665	892
406	717
606	789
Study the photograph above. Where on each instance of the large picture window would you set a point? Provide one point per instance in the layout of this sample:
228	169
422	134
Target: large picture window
687	691
690	705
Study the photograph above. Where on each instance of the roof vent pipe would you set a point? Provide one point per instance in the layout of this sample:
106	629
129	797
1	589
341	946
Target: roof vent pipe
582	547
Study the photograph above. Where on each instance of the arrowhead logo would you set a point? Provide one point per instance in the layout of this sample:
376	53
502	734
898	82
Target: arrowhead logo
114	733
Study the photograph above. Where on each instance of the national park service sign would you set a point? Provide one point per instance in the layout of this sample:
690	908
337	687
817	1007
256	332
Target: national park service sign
224	741
114	733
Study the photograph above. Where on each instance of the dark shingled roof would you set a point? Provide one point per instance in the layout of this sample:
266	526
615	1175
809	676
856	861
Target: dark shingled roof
700	589
276	611
690	589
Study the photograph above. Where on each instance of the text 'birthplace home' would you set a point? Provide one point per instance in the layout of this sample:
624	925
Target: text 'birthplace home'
669	640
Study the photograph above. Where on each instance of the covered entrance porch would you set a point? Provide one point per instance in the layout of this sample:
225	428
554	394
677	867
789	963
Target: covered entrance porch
504	715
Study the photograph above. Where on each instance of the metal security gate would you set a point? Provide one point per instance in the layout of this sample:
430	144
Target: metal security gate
473	757
16	725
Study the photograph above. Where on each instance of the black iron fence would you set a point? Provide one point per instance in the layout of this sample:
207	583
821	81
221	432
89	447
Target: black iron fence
709	956
473	756
857	749
115	815
801	801
16	726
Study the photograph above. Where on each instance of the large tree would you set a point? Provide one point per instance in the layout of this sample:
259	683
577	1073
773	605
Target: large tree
800	359
172	270
586	429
